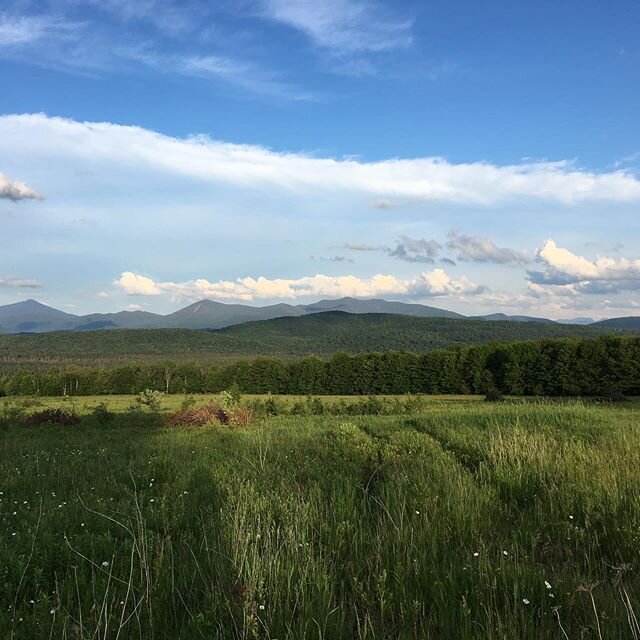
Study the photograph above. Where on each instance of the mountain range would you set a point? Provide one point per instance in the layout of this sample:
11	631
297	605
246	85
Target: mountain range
30	316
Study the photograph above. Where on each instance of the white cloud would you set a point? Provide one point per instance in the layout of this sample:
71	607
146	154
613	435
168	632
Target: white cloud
14	190
21	30
18	283
482	249
342	26
134	284
103	295
430	284
571	274
424	179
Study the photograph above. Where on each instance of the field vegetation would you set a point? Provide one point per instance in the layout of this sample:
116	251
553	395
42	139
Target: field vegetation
457	520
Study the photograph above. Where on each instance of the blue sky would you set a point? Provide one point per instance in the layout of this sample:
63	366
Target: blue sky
475	156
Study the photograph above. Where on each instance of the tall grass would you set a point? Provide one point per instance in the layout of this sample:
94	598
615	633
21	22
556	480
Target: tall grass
463	521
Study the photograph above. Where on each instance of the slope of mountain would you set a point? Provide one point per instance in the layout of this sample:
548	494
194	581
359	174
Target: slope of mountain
208	314
355	305
319	333
505	317
31	315
631	323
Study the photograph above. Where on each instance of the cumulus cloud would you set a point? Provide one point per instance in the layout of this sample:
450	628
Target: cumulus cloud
16	191
415	250
135	284
425	179
482	249
572	274
430	284
18	283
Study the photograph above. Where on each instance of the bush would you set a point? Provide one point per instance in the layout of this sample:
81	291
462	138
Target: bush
198	417
11	415
52	416
241	417
150	398
187	403
102	415
493	395
231	397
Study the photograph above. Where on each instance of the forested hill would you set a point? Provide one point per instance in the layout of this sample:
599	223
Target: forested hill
321	334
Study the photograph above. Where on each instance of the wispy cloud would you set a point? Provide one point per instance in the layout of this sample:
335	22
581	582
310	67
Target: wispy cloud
482	249
16	191
342	26
432	180
332	259
95	47
359	246
20	30
241	74
18	283
436	283
166	15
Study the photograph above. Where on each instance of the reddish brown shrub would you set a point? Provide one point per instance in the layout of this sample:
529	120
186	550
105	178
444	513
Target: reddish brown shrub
52	416
198	416
241	417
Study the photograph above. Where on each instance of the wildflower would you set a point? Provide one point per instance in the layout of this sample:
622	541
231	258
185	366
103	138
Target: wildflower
475	554
525	601
570	517
52	611
152	500
105	564
505	553
546	584
32	601
417	513
261	607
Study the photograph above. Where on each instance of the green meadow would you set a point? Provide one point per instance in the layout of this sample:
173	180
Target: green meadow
462	520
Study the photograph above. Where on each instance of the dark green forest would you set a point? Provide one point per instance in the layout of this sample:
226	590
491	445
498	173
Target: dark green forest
321	334
608	365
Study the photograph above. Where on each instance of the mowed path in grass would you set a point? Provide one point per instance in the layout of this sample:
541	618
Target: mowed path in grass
465	521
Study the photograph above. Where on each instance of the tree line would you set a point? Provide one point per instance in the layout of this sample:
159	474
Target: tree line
599	366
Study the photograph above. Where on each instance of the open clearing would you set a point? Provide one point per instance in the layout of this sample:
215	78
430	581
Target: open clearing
467	520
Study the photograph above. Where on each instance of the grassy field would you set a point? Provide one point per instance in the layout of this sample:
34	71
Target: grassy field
467	520
84	405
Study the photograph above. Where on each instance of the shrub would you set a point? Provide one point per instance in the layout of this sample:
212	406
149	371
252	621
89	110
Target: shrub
150	398
198	417
102	415
52	416
493	395
31	402
187	402
614	395
241	417
231	397
11	415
